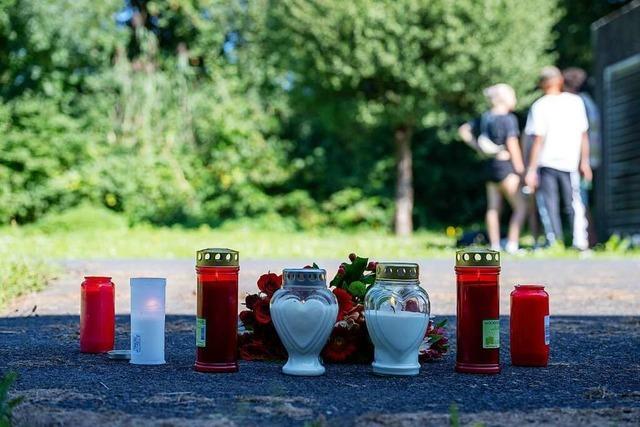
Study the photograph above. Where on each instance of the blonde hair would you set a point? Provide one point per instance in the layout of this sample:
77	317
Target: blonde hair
501	94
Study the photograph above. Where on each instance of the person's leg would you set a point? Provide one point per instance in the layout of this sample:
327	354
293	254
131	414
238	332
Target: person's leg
580	221
566	193
549	204
494	202
510	187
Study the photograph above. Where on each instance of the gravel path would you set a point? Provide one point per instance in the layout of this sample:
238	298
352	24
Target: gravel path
577	287
593	379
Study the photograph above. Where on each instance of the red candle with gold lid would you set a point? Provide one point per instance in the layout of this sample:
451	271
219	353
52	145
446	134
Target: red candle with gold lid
529	326
97	314
217	317
478	311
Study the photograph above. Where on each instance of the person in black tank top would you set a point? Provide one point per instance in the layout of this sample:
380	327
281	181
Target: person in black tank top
495	136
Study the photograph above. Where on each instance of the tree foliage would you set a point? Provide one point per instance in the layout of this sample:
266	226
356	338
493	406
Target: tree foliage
204	111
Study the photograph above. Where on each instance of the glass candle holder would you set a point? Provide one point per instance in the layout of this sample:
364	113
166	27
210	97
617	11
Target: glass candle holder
147	320
97	314
529	326
217	316
397	315
304	312
478	311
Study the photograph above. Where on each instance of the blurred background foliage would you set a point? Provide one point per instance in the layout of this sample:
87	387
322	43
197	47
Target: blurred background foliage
212	111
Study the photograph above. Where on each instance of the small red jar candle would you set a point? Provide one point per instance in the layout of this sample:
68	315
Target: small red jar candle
478	311
529	326
217	317
97	315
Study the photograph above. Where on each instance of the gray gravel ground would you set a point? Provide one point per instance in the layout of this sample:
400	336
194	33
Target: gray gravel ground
577	287
594	376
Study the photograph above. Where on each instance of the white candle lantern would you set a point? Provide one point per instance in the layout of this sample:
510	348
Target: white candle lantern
396	311
304	312
147	320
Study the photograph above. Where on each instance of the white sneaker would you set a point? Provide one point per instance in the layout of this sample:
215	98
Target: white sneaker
511	247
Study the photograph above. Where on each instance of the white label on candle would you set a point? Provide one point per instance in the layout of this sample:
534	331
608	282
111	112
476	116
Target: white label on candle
201	332
547	333
137	344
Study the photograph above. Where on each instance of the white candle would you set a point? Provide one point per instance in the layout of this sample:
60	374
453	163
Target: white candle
147	321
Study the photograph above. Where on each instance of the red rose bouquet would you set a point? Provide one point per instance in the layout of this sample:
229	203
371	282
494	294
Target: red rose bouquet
349	342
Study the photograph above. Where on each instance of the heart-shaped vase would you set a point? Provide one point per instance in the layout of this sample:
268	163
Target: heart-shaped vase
304	326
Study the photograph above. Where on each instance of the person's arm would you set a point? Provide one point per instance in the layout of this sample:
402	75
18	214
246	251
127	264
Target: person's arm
531	179
585	167
513	146
466	134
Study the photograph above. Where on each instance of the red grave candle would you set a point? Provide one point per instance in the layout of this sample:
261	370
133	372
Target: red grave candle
478	311
97	314
217	316
529	335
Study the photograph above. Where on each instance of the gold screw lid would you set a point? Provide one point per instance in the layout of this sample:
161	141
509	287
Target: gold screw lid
477	257
397	271
217	257
304	277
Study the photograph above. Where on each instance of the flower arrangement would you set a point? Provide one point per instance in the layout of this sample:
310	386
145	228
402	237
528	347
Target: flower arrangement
349	341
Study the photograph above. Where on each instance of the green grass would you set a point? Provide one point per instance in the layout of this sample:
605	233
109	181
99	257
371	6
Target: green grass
147	242
6	404
20	274
89	233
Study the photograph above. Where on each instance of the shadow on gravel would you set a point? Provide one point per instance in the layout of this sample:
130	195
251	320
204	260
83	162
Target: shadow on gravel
593	377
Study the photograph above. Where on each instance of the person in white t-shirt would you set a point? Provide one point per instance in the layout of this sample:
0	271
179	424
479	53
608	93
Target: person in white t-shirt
558	122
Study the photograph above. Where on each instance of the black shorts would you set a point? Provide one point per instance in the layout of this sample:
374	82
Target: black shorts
497	170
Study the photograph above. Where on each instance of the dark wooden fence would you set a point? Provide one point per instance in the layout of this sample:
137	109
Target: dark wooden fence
617	70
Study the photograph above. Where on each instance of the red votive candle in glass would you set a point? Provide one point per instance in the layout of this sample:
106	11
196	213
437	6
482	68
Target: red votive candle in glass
97	314
529	335
478	311
217	316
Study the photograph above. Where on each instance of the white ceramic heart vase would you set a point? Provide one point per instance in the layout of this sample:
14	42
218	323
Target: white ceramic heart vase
304	326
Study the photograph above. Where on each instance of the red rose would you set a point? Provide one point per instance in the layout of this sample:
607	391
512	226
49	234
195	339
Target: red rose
247	318
251	300
269	283
355	315
412	306
261	311
345	302
254	350
342	344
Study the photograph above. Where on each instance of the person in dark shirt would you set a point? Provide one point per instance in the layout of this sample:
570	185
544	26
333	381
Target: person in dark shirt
495	136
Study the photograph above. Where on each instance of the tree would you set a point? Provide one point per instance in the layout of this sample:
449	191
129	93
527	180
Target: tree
403	65
573	41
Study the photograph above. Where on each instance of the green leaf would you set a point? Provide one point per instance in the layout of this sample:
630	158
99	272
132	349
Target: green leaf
369	279
15	402
441	324
357	289
354	271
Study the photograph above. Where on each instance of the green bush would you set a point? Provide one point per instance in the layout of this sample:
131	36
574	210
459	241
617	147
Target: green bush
83	217
350	208
240	112
20	274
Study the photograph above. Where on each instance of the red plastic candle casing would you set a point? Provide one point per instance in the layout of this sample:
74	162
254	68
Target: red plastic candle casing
217	316
478	311
97	315
529	326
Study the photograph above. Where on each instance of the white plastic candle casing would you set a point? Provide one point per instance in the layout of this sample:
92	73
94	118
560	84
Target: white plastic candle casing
147	320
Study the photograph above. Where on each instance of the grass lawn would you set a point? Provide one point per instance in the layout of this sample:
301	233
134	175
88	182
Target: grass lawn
148	242
86	232
26	253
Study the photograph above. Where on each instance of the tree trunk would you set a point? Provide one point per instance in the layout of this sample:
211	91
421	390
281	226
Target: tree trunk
404	181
